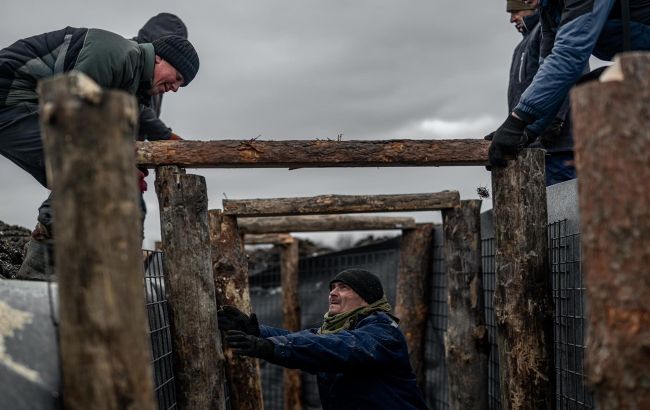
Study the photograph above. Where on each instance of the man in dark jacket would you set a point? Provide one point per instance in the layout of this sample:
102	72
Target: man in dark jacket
556	139
109	59
359	354
572	32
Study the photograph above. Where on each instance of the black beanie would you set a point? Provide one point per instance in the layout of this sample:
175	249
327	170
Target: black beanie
180	53
363	282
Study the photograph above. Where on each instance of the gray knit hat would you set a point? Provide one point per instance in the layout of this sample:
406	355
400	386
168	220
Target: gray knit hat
367	285
180	53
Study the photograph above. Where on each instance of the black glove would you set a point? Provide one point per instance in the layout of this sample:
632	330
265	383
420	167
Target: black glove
551	133
231	318
489	136
509	138
249	345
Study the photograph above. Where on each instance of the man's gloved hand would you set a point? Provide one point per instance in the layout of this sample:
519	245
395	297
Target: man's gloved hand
509	138
489	136
231	318
175	137
249	345
141	173
551	133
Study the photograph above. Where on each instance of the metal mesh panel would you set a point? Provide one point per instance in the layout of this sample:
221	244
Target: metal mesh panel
569	328
436	391
314	276
159	332
489	282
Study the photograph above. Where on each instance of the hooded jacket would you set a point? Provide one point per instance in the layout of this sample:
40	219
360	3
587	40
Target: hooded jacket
365	367
109	59
572	30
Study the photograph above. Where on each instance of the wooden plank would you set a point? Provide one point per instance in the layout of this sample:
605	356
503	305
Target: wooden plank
467	345
411	300
613	161
291	319
522	298
268	239
341	204
321	223
231	284
105	350
189	284
312	153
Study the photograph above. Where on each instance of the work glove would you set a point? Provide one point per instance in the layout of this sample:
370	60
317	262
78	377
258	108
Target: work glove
249	345
551	133
141	173
175	137
231	318
508	139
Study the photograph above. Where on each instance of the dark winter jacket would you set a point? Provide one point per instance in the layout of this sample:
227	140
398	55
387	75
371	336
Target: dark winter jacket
109	59
572	30
366	367
160	25
524	66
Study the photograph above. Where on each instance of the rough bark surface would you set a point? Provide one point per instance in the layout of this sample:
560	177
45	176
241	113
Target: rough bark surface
411	301
467	346
341	204
613	161
105	353
312	154
290	318
189	284
231	284
319	223
271	238
522	297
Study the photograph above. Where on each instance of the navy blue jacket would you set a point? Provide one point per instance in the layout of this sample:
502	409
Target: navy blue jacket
366	367
571	31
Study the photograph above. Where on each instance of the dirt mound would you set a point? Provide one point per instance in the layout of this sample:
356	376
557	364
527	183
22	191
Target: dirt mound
12	246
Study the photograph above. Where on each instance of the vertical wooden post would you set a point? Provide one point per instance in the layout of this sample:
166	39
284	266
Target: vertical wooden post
189	284
467	346
290	318
231	284
411	301
88	138
613	160
522	297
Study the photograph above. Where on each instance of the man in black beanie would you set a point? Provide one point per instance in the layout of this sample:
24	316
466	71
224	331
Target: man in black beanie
111	61
359	354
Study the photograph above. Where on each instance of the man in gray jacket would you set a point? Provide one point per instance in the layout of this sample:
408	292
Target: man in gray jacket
112	61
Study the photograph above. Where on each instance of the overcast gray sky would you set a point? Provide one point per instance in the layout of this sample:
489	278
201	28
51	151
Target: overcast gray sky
305	69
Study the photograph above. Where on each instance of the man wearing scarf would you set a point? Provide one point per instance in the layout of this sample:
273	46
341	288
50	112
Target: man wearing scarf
359	354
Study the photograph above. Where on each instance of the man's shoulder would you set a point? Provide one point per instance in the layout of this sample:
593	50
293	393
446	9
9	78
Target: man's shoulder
378	318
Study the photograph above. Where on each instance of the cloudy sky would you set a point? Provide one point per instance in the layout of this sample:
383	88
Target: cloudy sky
305	69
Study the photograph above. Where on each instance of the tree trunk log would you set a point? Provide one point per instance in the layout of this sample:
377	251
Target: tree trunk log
105	352
290	318
231	284
319	223
271	238
411	301
613	161
312	154
467	346
189	284
341	204
522	298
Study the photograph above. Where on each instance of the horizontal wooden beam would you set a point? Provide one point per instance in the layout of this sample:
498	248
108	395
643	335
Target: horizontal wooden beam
269	239
322	223
341	204
312	153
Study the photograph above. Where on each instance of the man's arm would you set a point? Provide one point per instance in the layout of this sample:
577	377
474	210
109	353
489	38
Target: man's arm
151	127
580	26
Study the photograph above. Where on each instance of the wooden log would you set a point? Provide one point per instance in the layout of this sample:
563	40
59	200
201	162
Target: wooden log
105	352
319	223
290	318
231	283
189	284
613	162
467	346
522	298
270	238
341	204
312	153
411	301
